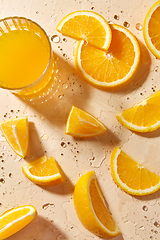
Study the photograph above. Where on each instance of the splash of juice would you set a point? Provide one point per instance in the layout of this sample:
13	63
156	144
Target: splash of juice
23	58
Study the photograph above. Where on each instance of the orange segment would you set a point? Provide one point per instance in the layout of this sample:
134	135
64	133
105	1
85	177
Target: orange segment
144	116
82	124
86	25
16	134
15	219
131	176
106	69
44	171
91	207
151	28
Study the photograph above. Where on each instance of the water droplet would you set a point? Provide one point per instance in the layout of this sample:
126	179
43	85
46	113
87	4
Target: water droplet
139	27
44	137
64	40
157	224
4	147
126	24
65	85
55	39
47	205
10	175
60	96
64	55
2	180
116	17
145	208
156	69
142	228
63	144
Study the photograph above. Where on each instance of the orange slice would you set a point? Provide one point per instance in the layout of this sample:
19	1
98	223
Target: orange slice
15	219
111	68
151	28
82	124
86	25
92	208
44	171
16	134
131	176
144	116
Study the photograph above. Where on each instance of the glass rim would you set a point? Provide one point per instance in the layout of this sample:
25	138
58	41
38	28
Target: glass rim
49	60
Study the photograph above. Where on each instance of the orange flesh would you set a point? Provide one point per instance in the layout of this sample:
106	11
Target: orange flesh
100	209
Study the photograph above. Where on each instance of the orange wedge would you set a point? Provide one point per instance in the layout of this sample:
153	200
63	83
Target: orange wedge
131	176
15	219
16	134
44	171
82	124
151	28
86	25
144	116
111	68
92	208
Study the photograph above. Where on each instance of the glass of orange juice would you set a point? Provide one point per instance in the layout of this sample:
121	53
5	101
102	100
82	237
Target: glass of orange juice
26	58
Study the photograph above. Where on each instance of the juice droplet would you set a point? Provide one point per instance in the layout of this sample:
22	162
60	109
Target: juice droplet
145	208
63	144
65	85
157	224
116	17
55	39
126	24
139	27
46	205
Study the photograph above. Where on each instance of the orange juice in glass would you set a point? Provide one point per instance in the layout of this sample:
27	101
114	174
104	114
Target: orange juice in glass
26	57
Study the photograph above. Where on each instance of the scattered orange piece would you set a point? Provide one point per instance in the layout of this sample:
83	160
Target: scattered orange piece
86	25
82	124
16	134
15	219
131	176
91	207
144	116
44	171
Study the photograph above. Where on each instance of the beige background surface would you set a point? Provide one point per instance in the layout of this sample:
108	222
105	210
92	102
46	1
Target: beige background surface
137	217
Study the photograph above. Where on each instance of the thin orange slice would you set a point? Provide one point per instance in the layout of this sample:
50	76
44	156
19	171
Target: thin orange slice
16	133
16	219
82	124
131	176
44	171
111	68
144	116
91	207
86	25
151	28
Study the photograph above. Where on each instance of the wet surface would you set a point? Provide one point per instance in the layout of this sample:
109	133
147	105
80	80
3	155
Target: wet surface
137	217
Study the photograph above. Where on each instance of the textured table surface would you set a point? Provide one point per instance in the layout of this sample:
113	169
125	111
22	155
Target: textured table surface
137	217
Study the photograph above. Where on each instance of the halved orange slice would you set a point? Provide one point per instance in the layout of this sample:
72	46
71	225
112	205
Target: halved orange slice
44	171
131	176
86	25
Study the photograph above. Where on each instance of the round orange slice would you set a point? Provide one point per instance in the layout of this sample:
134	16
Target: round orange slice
16	219
44	171
91	207
151	28
131	176
111	68
86	25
